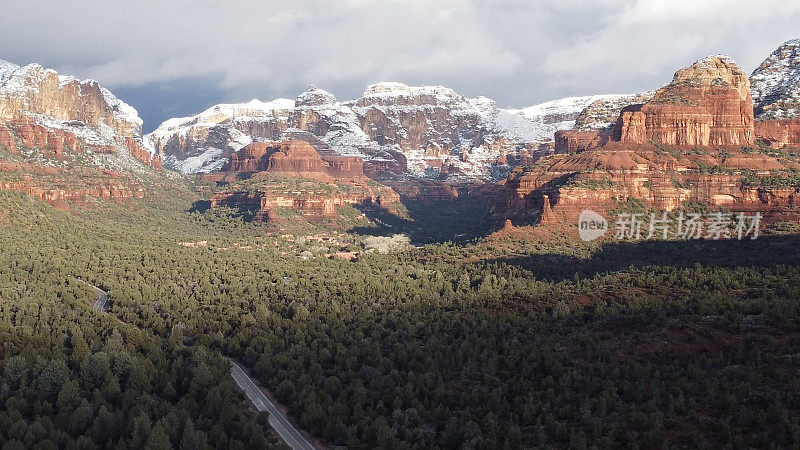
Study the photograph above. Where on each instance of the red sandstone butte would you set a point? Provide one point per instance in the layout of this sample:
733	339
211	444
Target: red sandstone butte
706	104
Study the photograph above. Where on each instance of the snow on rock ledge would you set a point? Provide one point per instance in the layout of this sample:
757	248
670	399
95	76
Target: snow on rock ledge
83	108
425	131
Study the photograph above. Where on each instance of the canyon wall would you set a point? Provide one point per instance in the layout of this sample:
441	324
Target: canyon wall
693	142
779	133
706	104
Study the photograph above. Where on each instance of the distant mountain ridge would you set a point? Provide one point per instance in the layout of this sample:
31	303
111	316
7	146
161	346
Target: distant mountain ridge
400	130
427	131
83	108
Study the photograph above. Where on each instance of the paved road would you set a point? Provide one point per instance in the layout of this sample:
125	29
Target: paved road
102	297
285	429
277	420
102	300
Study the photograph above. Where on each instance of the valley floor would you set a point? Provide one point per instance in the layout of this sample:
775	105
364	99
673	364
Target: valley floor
493	343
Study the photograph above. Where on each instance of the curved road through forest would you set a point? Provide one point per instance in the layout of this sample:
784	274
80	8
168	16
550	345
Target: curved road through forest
102	300
277	420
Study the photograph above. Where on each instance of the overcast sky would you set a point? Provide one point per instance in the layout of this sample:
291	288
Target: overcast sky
176	58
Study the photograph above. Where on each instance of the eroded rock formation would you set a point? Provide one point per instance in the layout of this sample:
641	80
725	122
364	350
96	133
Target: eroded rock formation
706	104
425	131
69	140
779	133
693	142
68	187
573	141
294	157
776	84
295	175
46	110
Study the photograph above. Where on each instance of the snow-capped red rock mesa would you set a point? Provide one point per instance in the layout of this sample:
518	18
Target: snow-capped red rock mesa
32	95
67	139
425	131
694	141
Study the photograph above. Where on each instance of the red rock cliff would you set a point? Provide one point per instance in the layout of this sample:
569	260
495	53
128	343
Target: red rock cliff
295	157
702	123
779	133
706	104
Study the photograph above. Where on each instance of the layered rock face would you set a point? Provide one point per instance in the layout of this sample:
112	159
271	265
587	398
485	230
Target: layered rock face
294	157
205	142
600	179
68	140
775	84
779	133
65	188
706	104
425	131
692	142
312	202
572	141
295	175
34	95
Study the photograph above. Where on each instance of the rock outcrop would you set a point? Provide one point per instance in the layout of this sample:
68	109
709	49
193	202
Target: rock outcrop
692	142
68	106
65	188
265	177
775	84
296	158
573	141
67	141
602	178
706	104
602	114
779	133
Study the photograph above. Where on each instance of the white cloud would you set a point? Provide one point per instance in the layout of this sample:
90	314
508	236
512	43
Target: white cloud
248	42
653	38
515	51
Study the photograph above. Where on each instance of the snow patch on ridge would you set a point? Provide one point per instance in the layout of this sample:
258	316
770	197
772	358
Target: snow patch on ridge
775	84
252	110
208	161
464	136
22	83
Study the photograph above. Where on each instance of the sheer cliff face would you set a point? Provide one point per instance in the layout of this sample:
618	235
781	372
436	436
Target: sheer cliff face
33	89
267	177
294	158
431	118
66	140
692	142
601	178
779	133
775	84
706	104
